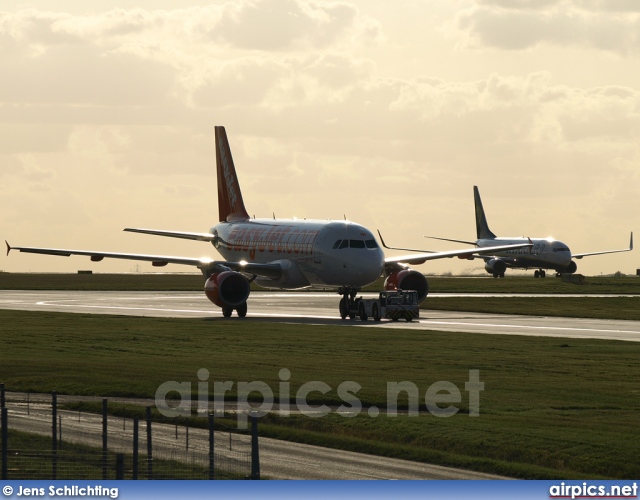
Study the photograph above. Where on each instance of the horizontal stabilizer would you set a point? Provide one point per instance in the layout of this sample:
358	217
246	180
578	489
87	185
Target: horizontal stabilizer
173	234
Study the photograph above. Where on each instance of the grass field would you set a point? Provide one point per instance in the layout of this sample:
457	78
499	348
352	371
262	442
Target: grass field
30	458
195	282
625	308
550	408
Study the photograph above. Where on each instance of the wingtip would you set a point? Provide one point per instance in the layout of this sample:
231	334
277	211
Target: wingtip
631	241
381	239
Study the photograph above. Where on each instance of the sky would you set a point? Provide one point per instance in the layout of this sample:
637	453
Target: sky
386	113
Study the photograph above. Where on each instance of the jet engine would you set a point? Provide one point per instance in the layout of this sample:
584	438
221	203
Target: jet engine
495	267
570	269
228	289
408	279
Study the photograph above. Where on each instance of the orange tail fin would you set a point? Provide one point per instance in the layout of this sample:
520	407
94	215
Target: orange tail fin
230	204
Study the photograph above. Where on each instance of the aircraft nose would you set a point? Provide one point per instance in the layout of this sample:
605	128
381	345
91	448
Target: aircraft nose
370	266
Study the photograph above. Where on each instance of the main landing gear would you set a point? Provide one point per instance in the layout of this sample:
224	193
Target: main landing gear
241	310
539	274
347	301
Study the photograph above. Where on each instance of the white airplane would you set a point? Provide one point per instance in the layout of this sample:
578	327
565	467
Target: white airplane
281	253
545	253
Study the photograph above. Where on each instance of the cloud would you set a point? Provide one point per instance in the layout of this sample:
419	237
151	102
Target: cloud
612	27
518	4
124	85
122	61
268	25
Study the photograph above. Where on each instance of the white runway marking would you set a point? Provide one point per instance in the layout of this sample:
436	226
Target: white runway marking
311	308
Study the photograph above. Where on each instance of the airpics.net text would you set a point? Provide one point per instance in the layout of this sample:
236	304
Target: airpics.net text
439	398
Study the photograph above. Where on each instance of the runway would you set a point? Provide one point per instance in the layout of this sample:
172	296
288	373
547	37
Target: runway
311	308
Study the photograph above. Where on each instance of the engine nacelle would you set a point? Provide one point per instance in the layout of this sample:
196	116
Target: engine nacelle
495	266
227	289
570	269
408	279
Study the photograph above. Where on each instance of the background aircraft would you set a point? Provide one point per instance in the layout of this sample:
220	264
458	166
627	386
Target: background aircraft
282	253
546	253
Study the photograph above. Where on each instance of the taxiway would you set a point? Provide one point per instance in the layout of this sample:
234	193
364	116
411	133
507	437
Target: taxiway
311	308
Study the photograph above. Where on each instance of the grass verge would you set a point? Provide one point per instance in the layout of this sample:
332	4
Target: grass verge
625	308
195	282
30	457
549	404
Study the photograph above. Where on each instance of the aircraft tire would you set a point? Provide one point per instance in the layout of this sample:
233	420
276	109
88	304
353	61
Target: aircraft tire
227	311
343	308
242	310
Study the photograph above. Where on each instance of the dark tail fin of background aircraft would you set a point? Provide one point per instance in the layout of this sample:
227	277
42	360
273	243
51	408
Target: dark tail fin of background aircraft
230	204
482	228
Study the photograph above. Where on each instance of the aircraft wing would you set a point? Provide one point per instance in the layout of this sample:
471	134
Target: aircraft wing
424	255
173	234
580	255
273	271
466	242
421	258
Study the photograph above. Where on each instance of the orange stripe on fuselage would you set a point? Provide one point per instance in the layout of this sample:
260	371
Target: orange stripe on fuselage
277	240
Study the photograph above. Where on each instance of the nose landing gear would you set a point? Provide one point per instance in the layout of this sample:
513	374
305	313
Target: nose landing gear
347	301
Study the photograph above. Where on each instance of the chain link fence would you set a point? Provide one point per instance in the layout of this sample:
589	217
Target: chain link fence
39	441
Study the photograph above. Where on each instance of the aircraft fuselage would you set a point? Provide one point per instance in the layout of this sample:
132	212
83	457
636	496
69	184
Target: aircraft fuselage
313	253
545	253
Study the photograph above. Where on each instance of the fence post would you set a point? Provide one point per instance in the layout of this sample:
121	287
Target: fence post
120	466
187	435
211	447
105	471
149	446
135	448
3	411
54	435
60	432
255	452
5	442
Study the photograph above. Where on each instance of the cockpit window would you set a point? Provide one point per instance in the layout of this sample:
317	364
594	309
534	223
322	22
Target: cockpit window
340	244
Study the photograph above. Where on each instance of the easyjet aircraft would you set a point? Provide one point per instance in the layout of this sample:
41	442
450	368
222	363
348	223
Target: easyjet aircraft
546	253
282	253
